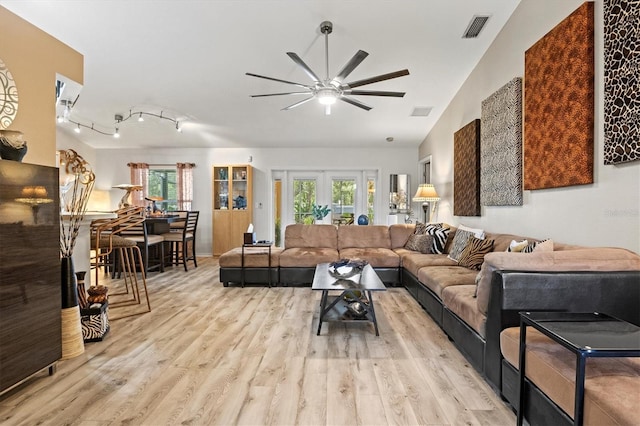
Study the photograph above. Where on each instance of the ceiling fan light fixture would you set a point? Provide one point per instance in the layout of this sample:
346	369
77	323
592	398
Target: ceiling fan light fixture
326	96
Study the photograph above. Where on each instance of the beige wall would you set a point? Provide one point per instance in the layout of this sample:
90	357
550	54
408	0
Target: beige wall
605	213
33	58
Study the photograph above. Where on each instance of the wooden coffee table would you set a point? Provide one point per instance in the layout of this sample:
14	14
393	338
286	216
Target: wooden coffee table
354	302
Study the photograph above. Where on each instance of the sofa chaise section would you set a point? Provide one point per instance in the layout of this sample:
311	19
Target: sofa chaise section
256	266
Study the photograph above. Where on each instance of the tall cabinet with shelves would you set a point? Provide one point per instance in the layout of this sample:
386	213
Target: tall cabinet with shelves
232	205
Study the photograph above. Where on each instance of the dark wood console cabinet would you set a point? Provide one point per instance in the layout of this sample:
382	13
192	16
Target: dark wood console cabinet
30	292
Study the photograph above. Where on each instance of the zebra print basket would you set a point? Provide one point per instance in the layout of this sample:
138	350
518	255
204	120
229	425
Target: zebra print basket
95	323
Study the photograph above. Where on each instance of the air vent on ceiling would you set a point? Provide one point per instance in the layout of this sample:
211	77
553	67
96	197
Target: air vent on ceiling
475	26
421	111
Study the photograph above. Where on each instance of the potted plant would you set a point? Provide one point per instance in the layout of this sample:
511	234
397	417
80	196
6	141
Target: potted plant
319	212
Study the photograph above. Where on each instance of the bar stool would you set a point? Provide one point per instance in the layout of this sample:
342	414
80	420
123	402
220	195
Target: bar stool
181	238
111	249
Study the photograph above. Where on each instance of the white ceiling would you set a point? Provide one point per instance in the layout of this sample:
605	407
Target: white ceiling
188	59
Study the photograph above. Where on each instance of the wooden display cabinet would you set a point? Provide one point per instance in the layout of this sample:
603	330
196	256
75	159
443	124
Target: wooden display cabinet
232	206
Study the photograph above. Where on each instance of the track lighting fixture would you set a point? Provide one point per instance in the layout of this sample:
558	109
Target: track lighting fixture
119	118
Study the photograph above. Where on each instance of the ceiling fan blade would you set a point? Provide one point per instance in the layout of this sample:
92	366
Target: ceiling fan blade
351	65
378	78
277	79
279	94
356	103
375	93
297	104
304	66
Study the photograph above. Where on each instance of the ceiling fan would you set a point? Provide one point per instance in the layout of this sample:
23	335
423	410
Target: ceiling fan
328	91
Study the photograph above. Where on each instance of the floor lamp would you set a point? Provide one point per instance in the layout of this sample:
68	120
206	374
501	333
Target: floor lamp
427	195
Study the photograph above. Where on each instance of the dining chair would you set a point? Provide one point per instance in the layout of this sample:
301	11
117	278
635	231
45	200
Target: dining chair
182	238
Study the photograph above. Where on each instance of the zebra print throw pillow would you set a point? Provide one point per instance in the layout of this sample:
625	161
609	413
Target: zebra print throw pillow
531	247
473	254
440	236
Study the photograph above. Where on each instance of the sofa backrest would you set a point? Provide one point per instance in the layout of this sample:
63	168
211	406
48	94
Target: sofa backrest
399	234
354	236
310	236
598	259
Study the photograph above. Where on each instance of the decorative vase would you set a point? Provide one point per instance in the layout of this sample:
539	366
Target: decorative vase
72	341
12	146
82	292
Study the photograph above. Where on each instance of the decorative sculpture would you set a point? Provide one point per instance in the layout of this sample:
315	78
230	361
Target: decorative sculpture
124	201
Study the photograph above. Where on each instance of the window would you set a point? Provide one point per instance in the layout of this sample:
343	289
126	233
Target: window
343	201
304	196
162	184
371	198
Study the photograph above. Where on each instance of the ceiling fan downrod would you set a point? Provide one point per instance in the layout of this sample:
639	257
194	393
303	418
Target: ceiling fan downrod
326	27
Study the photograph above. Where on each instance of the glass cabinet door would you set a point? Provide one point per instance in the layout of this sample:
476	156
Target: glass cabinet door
220	188
239	176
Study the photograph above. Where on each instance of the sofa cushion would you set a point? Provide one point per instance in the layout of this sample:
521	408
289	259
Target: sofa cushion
310	236
437	278
377	257
306	257
412	261
364	237
460	300
399	234
580	259
254	257
611	386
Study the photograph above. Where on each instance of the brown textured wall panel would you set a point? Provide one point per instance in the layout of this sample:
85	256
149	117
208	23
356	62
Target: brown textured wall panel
559	104
466	170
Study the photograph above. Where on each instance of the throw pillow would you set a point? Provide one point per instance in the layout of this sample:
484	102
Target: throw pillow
420	228
440	236
546	245
517	246
532	246
421	243
473	255
460	241
477	232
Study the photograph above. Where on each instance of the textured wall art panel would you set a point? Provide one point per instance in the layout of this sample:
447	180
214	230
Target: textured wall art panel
621	81
559	104
466	170
501	146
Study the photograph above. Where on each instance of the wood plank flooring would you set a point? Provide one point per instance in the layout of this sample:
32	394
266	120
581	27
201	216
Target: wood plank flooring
209	355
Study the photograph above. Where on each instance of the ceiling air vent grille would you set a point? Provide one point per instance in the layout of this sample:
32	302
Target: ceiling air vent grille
475	26
421	111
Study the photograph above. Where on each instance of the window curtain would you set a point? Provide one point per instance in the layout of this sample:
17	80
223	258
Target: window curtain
185	185
139	176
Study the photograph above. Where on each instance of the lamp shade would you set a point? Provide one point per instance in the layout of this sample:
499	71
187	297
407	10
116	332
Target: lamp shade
426	192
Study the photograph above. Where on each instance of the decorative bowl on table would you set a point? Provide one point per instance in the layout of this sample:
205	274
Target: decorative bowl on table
346	268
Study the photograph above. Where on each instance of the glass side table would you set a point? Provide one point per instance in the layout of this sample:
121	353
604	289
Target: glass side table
588	335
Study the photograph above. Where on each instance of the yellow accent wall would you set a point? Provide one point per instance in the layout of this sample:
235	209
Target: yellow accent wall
33	58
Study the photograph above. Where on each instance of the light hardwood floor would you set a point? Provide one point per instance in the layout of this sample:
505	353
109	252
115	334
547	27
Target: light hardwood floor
206	354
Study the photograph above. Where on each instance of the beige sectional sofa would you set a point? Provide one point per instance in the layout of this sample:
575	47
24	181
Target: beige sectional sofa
476	307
